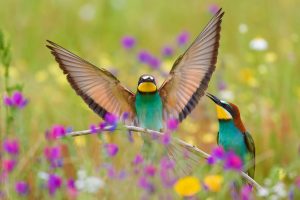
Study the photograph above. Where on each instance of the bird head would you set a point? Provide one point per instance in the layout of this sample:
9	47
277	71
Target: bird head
225	110
147	84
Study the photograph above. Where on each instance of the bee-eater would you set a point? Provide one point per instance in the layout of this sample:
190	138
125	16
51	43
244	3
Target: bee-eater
150	106
232	133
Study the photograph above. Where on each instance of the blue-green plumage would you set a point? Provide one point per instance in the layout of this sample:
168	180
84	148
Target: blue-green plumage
149	110
231	138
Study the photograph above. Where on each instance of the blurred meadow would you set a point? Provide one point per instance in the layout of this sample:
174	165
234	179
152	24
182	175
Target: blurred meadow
257	69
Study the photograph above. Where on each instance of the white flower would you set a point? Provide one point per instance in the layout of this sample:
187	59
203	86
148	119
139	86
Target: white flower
258	44
243	28
279	189
43	175
90	184
263	192
87	12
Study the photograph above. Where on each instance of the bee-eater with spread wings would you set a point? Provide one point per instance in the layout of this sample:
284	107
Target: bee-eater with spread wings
150	106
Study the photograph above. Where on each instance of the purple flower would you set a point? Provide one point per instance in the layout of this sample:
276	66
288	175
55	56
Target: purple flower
111	149
125	116
21	188
154	63
150	170
213	8
211	160
111	119
128	42
165	139
71	189
54	183
221	85
17	100
246	192
218	152
166	163
172	124
146	184
144	56
167	51
7	101
8	165
53	155
183	38
11	146
232	161
93	128
56	131
138	159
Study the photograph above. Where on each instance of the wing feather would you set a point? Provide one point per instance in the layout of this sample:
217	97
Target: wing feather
100	89
191	72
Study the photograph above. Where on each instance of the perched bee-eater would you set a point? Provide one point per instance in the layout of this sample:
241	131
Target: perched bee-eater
150	106
232	133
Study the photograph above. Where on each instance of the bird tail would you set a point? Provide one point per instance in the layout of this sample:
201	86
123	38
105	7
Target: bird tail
186	157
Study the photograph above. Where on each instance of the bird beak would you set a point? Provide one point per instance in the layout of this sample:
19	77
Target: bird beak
213	98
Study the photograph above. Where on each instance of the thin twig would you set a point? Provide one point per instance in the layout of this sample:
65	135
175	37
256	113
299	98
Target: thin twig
181	142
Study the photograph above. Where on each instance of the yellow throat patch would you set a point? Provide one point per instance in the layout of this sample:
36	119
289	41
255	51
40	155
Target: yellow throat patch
147	87
223	113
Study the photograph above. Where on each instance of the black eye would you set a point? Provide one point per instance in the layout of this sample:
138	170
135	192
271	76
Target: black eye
228	108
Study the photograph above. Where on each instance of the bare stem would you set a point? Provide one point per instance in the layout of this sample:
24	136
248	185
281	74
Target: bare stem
179	141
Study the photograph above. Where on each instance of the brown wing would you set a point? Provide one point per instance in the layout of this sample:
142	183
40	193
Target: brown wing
191	72
100	89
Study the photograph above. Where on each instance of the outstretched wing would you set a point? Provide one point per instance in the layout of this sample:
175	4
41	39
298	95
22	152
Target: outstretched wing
191	72
251	148
100	89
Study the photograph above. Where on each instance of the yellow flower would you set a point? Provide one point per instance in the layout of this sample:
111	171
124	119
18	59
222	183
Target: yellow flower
80	141
213	182
187	186
270	57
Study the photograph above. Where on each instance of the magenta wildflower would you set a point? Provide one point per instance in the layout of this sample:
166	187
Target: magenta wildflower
111	120
154	62
150	170
146	184
125	116
71	189
246	192
93	128
232	161
167	172
11	146
17	100
167	51
144	56
111	149
56	131
7	101
183	38
128	42
165	139
53	155
54	183
8	165
138	159
211	160
172	124
218	152
297	181
21	188
221	85
213	8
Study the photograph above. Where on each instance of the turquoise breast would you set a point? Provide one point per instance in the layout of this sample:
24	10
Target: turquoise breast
231	138
149	110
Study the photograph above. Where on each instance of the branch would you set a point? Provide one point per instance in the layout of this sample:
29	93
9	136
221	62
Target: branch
181	142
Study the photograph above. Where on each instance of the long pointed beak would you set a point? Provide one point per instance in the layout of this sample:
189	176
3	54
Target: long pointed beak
213	98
